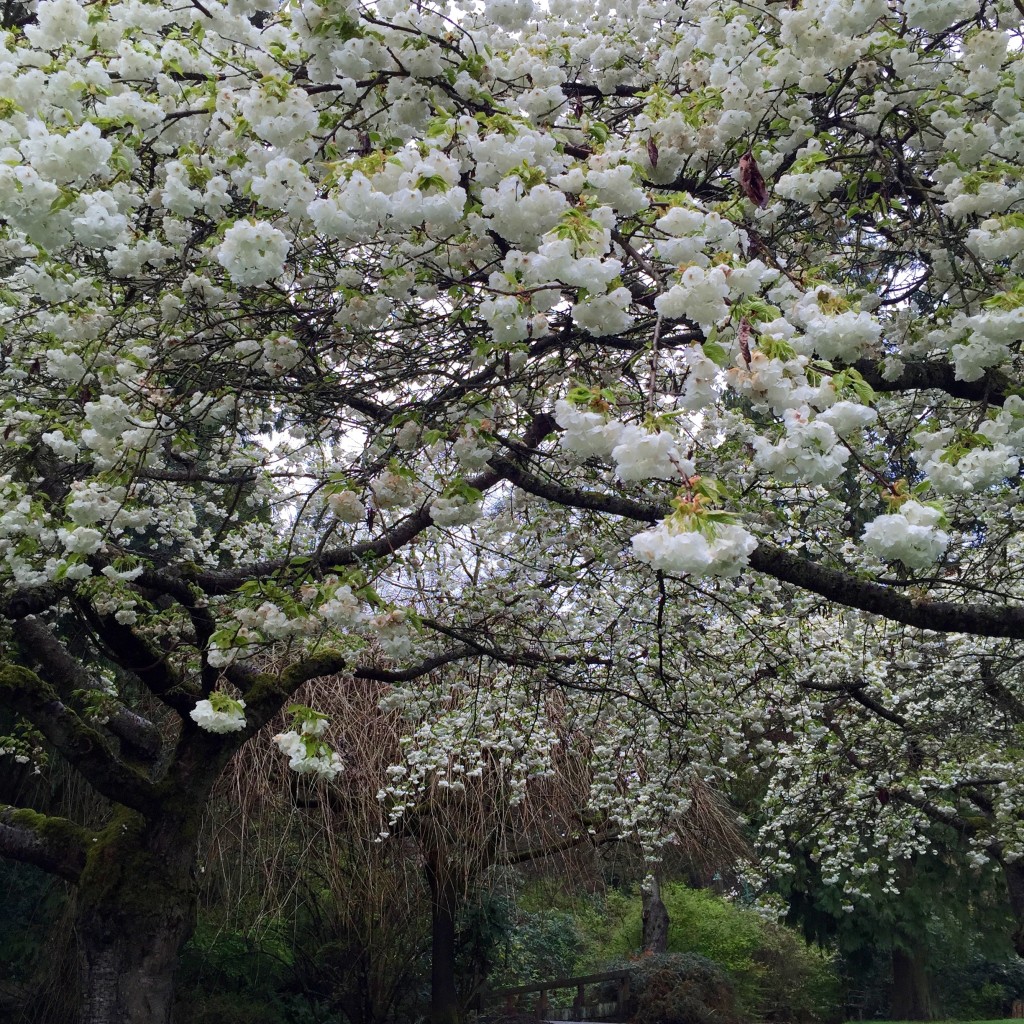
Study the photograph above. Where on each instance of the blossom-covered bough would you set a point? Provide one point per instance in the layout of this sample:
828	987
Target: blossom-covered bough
302	300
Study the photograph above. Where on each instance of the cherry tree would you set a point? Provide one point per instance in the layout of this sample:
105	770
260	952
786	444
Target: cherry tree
688	319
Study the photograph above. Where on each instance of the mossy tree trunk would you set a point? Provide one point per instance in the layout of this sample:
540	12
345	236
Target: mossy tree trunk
1013	873
137	903
134	874
655	918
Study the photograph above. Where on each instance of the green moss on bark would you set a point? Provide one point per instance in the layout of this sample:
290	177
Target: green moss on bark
123	873
58	832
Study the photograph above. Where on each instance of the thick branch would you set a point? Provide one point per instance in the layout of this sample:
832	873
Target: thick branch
53	844
127	649
878	599
31	601
270	691
67	674
86	749
928	376
833	584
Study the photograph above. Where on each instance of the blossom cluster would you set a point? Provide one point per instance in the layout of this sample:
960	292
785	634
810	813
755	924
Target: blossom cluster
911	535
638	454
673	548
305	748
219	713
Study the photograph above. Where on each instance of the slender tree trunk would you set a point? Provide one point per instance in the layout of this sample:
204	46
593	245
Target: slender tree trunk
1014	875
655	918
136	910
911	991
444	996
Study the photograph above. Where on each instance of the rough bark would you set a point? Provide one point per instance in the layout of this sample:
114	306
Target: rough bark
136	910
53	844
911	991
66	673
128	964
655	919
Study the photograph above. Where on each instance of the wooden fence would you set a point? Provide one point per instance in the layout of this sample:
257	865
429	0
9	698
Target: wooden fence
598	997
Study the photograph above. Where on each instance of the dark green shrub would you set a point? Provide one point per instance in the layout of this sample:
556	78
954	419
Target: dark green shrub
776	974
796	982
38	958
982	989
681	988
527	940
226	977
231	1008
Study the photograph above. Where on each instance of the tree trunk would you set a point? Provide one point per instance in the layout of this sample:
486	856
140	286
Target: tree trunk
655	918
1014	875
128	966
136	910
444	996
911	992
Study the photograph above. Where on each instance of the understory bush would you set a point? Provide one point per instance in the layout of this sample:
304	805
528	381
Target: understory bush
989	989
777	976
227	977
540	941
681	988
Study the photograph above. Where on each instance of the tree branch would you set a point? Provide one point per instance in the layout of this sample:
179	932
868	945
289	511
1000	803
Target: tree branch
66	673
127	649
269	691
31	601
405	675
220	582
833	584
86	749
54	844
928	376
607	835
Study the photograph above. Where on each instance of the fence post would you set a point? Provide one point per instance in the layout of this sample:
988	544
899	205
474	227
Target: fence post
579	1002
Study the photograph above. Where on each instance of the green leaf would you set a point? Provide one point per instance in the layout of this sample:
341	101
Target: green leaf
64	200
717	353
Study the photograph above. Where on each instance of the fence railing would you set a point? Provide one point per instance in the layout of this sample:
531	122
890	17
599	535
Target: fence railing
598	997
